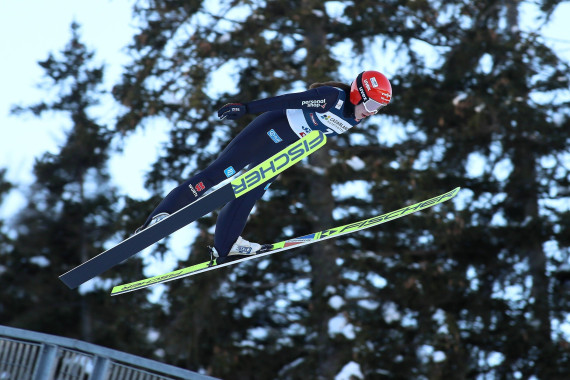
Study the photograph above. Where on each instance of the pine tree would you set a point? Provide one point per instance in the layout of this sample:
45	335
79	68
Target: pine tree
418	298
5	241
70	216
494	302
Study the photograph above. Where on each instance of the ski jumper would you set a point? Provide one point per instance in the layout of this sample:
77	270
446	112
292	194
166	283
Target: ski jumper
285	119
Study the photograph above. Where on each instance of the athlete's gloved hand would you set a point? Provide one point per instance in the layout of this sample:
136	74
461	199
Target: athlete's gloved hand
232	111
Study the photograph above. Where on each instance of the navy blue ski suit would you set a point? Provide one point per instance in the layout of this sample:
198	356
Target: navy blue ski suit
284	120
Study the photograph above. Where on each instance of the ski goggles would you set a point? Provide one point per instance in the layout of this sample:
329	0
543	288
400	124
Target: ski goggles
373	106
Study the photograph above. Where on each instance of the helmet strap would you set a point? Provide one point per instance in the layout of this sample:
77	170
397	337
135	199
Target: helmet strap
360	87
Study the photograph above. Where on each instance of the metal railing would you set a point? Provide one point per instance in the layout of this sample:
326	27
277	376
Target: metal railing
28	355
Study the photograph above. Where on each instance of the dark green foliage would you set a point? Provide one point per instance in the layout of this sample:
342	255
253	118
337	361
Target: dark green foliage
436	282
5	241
70	216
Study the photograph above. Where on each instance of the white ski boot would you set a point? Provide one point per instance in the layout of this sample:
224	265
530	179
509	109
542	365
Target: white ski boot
241	249
155	219
244	247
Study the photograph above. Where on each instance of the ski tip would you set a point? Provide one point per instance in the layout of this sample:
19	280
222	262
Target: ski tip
119	290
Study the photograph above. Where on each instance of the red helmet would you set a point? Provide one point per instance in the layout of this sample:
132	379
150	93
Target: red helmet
373	89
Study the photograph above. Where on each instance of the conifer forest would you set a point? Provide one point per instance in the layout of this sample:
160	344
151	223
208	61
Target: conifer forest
474	288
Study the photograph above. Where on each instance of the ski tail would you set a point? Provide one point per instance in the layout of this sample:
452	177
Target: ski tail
289	244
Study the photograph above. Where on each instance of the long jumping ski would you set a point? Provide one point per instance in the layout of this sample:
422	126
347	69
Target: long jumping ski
212	201
288	244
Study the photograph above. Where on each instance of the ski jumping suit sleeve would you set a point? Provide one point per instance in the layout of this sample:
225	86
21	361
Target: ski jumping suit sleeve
263	137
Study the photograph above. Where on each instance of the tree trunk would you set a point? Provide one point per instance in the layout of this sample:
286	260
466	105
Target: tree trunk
320	205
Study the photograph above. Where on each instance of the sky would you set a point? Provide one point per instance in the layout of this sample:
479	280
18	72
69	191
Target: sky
31	29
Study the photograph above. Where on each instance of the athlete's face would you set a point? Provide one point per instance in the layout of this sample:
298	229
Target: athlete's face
360	112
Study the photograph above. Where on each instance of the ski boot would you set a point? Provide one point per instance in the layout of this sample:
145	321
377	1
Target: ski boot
244	247
241	248
155	219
